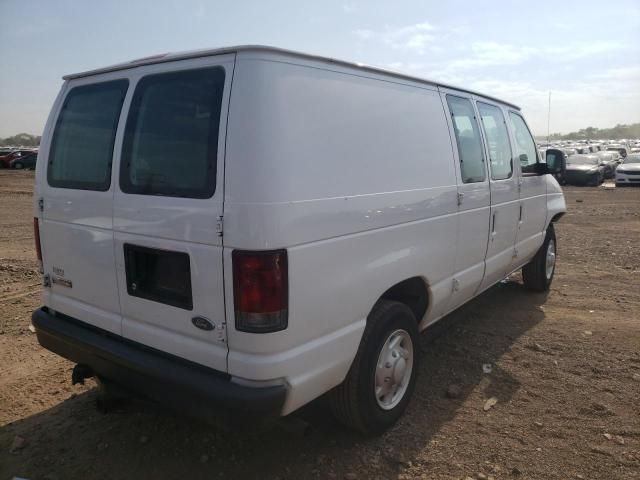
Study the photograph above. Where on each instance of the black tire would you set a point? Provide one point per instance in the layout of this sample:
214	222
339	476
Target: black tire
534	274
354	402
18	166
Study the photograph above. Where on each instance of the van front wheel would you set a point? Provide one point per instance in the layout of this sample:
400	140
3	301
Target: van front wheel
538	273
382	377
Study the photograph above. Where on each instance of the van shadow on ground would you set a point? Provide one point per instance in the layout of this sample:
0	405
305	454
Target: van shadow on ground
73	440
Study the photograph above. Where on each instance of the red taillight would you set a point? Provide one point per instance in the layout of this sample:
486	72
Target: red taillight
260	290
36	236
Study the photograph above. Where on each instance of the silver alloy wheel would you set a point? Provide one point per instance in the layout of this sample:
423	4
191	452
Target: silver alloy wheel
393	370
550	263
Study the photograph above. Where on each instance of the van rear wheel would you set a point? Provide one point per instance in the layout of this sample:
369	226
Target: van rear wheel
382	377
538	273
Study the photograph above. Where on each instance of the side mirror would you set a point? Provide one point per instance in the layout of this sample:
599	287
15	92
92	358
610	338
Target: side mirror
555	163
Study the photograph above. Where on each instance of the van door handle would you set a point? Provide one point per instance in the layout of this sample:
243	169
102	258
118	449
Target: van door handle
520	216
493	225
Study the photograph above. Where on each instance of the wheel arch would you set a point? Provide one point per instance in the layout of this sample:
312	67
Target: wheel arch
413	292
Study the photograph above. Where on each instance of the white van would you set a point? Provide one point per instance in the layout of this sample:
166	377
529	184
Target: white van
249	228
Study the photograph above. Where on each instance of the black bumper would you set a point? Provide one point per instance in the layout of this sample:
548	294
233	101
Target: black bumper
581	178
181	385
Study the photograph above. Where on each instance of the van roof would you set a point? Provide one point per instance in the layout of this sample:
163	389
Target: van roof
170	57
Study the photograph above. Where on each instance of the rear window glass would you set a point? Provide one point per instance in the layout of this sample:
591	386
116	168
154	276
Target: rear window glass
171	139
82	145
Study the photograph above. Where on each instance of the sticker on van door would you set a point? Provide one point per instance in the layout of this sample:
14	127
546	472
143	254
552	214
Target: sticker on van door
63	282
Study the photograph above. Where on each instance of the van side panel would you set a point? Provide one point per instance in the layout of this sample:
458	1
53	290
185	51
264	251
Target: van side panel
354	176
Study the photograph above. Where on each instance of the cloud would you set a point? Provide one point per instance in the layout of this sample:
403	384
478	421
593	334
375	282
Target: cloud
416	37
484	54
348	8
590	83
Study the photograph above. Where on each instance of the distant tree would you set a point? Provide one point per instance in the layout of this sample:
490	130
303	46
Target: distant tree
21	140
592	133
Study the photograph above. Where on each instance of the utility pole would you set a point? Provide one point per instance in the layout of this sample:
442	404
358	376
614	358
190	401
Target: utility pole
549	119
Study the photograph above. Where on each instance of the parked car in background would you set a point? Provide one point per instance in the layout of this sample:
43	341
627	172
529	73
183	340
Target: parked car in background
628	172
5	160
24	161
621	149
609	160
584	170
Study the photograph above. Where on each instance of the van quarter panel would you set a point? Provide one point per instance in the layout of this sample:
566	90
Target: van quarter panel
361	201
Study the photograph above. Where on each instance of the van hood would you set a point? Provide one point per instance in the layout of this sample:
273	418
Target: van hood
630	167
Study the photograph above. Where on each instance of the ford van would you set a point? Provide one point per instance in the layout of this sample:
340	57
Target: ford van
246	229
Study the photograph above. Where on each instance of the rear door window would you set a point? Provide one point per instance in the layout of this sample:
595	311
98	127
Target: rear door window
470	149
171	138
82	145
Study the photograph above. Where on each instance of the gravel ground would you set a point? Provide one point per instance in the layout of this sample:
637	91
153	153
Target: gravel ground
565	375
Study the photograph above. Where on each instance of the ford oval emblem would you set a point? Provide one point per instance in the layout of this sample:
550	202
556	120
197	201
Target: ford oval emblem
202	323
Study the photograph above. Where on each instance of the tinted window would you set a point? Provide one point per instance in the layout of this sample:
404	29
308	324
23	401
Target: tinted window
468	139
525	146
171	139
495	130
82	145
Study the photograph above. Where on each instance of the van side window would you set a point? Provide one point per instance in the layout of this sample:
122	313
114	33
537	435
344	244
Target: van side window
82	145
171	139
495	130
525	146
470	148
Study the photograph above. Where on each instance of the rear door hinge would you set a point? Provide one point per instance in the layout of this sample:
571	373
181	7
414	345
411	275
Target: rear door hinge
460	198
41	204
219	226
456	285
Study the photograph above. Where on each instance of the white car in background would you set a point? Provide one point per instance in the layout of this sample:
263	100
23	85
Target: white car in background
628	172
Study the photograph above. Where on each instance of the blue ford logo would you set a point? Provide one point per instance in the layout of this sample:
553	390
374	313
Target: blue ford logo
202	323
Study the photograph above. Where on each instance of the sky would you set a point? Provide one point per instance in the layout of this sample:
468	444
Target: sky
586	53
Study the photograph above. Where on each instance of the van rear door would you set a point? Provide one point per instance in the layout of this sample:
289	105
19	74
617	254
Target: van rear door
168	205
75	197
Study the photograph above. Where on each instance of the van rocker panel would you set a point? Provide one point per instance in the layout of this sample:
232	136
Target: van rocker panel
171	381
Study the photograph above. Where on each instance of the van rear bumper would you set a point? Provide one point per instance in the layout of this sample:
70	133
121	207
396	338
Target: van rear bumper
179	384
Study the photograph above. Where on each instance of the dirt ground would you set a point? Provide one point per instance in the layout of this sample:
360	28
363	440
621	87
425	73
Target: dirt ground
565	373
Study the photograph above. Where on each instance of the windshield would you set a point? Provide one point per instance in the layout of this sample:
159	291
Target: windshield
582	161
633	158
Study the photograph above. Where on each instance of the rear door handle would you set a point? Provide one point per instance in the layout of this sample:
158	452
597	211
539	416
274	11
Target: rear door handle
493	224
